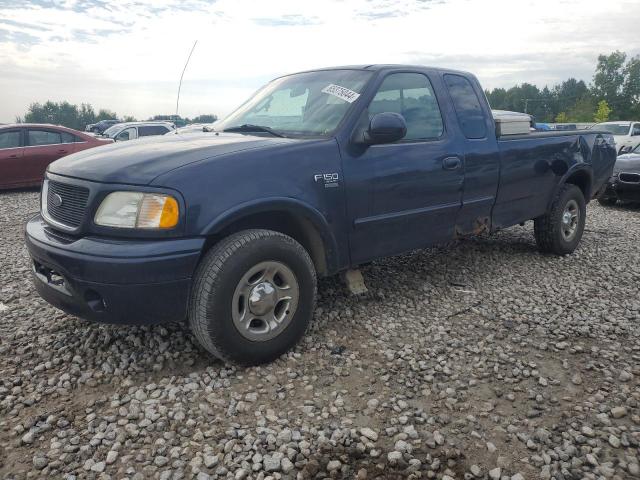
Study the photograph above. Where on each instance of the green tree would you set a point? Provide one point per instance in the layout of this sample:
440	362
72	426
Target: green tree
631	88
603	111
104	114
64	113
208	118
562	117
609	80
582	110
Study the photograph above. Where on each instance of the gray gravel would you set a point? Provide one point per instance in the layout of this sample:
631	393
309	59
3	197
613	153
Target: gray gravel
482	359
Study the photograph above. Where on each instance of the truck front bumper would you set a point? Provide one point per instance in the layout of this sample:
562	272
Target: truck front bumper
137	282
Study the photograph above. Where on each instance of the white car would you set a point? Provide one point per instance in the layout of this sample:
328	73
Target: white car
133	130
625	134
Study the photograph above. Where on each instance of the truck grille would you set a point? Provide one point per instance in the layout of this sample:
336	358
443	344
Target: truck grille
630	177
70	211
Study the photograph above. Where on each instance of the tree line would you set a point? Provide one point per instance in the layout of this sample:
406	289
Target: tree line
79	116
614	94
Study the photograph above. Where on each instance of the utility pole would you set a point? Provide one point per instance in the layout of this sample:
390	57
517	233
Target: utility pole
527	100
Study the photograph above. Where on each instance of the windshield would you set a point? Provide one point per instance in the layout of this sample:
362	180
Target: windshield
304	104
109	132
613	128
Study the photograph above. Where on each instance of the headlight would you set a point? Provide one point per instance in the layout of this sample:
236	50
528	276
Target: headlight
138	210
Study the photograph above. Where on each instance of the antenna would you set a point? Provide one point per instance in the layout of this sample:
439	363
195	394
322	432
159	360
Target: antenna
183	70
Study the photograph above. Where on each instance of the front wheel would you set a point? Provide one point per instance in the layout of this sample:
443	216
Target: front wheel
559	230
253	297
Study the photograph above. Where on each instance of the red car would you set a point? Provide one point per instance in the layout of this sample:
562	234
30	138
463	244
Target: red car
26	149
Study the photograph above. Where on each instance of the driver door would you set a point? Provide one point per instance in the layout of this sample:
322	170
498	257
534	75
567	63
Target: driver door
404	195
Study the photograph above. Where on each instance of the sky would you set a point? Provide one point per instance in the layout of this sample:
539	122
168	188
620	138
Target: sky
127	55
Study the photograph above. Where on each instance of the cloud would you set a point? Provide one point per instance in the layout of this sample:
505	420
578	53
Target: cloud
287	20
128	55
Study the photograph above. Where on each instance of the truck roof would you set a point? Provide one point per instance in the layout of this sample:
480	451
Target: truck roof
385	66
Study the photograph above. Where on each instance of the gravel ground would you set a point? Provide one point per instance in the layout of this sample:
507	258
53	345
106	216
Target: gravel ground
482	359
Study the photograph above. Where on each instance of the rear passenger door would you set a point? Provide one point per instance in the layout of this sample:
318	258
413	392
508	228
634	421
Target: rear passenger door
481	158
404	195
11	158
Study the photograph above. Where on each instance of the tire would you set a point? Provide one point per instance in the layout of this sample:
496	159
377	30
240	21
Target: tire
607	201
253	297
551	230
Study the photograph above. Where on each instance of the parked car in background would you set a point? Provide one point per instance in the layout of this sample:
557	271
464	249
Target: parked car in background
27	149
625	134
624	184
563	127
100	126
132	130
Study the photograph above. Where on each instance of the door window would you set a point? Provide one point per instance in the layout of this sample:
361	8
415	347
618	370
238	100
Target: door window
127	134
410	95
10	139
69	138
636	129
149	130
467	106
43	137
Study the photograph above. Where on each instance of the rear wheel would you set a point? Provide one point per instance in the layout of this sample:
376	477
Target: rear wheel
559	231
253	297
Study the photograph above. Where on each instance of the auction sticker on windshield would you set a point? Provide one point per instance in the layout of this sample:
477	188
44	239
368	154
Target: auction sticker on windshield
341	92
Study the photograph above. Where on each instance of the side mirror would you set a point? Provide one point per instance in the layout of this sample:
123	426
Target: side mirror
385	127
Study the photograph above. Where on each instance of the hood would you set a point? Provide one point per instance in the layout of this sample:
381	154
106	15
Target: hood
140	161
628	163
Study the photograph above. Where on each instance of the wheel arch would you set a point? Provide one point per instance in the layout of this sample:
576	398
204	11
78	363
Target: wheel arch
290	216
581	177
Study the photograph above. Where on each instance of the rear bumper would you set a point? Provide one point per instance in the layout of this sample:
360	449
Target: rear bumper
626	191
113	281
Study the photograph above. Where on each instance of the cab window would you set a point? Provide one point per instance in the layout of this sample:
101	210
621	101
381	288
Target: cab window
636	129
411	95
467	106
10	139
43	137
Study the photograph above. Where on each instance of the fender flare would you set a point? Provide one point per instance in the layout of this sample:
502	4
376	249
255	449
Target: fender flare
290	205
581	169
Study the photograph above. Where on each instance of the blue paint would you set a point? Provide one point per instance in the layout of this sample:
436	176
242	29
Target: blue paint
387	199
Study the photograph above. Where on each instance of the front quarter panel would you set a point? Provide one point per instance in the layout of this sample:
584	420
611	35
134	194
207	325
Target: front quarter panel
304	175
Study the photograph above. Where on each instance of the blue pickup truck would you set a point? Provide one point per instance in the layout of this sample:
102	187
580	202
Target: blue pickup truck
317	173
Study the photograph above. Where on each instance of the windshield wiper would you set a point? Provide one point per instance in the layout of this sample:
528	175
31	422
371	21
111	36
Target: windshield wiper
247	127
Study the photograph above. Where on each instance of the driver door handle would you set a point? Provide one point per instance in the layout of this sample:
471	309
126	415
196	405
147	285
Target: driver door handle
451	163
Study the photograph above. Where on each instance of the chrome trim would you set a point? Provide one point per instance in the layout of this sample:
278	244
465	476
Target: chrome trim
44	212
51	144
